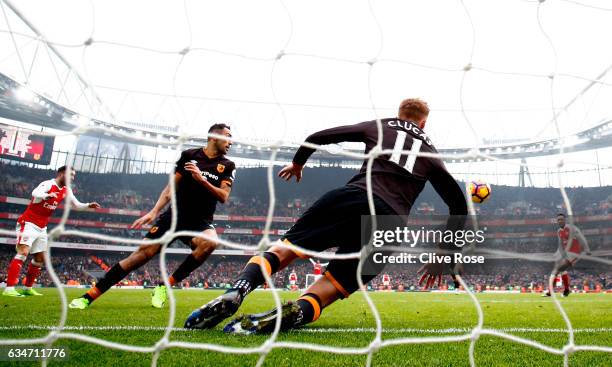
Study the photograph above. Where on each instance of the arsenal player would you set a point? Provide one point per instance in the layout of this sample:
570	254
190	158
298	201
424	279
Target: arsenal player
317	269
386	280
32	230
293	281
572	244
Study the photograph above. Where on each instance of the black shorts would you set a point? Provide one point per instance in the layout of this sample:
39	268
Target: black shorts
335	221
163	222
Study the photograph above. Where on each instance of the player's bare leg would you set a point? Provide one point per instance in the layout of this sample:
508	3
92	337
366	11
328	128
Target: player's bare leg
251	277
14	269
141	256
34	269
305	310
325	290
201	250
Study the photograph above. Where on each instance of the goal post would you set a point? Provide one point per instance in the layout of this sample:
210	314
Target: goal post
311	278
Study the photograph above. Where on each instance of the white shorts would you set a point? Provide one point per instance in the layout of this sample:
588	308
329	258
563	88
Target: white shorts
33	236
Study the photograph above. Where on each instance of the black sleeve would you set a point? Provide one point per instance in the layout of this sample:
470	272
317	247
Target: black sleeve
180	164
355	133
448	189
229	173
452	194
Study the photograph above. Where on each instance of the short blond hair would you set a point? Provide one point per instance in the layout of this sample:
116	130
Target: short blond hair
413	109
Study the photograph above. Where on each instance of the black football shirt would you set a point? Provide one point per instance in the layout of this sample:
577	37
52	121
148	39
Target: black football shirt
396	178
194	202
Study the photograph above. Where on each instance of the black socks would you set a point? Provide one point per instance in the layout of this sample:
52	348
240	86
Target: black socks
251	276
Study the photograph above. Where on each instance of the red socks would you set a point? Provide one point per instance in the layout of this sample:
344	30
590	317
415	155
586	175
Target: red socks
565	280
33	273
14	269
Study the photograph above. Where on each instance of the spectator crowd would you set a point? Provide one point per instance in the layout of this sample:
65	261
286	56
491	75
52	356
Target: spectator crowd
250	198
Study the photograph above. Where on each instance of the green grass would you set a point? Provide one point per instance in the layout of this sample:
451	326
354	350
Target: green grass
400	312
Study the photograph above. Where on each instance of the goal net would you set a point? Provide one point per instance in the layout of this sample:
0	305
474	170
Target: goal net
490	72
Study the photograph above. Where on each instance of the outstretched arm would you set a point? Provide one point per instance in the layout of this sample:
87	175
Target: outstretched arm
162	201
450	191
446	186
354	133
79	205
334	135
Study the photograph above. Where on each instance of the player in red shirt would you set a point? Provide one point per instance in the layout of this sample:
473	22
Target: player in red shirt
569	252
32	230
317	268
293	281
386	280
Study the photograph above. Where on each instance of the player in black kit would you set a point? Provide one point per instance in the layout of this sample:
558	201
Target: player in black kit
335	220
203	177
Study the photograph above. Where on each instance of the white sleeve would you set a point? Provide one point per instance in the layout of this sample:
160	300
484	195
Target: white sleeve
41	192
561	253
75	202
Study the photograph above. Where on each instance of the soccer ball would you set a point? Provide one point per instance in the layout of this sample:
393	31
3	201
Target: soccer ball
480	191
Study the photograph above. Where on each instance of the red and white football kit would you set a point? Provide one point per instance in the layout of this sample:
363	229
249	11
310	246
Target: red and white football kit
386	280
32	224
572	244
578	245
32	232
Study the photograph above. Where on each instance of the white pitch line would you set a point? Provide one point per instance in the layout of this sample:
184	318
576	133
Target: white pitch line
449	330
543	300
311	330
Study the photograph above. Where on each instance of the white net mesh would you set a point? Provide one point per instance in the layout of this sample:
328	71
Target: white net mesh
86	98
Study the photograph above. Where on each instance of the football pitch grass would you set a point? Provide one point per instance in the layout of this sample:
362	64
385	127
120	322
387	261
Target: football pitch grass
125	316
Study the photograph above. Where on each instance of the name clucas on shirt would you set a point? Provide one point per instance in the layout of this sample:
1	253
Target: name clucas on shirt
409	126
